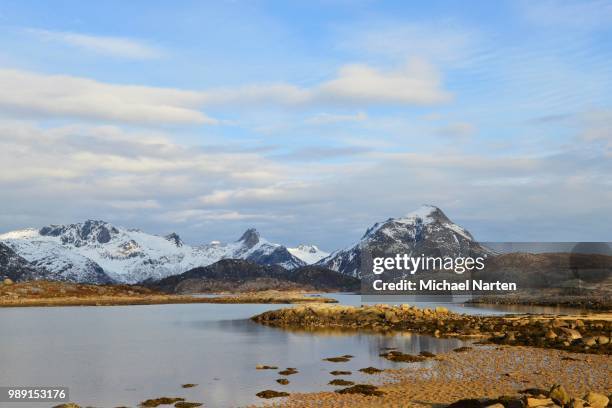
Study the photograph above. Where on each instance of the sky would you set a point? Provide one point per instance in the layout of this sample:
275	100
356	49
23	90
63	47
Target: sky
309	121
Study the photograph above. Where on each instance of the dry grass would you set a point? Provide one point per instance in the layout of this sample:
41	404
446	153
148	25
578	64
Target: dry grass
44	293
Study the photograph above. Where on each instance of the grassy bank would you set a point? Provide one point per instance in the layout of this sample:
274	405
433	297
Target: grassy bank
43	293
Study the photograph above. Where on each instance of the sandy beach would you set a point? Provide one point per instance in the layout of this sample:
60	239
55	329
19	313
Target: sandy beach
482	372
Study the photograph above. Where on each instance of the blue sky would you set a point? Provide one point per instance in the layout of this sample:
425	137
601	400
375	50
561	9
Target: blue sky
308	120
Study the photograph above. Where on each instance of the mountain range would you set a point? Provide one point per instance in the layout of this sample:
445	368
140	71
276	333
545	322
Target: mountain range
99	252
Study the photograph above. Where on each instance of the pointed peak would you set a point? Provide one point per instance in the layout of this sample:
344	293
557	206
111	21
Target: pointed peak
426	213
250	237
175	239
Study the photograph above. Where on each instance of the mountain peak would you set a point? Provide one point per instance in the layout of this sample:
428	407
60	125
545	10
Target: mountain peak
250	237
426	230
310	254
175	239
308	248
426	213
78	234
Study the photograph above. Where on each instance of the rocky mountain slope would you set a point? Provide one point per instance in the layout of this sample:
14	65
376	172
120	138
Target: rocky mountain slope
240	275
426	231
98	252
16	268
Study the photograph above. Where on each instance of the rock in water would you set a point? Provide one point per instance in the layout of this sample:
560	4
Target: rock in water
183	404
272	394
364	389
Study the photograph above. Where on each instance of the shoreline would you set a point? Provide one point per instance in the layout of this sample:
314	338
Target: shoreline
55	294
584	334
137	301
482	372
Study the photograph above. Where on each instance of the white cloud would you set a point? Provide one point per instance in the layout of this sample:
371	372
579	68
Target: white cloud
328	118
198	215
273	193
33	94
597	125
459	130
155	184
134	204
67	96
415	83
104	45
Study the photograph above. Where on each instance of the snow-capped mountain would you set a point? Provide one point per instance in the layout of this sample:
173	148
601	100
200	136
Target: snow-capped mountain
426	231
310	254
258	250
98	252
16	268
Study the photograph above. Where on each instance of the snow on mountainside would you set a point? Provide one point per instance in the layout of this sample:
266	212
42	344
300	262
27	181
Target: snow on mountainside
426	231
55	262
310	254
15	267
98	252
256	249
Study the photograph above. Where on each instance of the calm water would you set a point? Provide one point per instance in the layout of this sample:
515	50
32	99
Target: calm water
110	356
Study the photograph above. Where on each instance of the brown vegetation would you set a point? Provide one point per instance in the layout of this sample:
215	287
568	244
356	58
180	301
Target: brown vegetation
46	293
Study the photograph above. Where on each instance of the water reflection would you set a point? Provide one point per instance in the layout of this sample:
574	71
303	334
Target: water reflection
111	356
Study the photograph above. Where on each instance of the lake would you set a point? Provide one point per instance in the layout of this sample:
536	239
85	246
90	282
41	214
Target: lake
122	355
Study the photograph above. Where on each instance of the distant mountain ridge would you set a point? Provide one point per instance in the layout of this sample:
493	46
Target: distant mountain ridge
426	231
99	252
241	275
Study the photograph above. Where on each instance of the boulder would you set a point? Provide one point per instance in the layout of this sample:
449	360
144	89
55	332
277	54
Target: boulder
603	340
576	403
559	395
391	317
589	341
596	400
537	402
551	335
570	334
7	281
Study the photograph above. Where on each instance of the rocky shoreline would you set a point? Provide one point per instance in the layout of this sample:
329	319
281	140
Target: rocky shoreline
594	300
583	334
479	377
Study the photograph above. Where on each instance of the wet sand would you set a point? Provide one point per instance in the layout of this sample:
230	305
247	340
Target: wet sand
484	371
